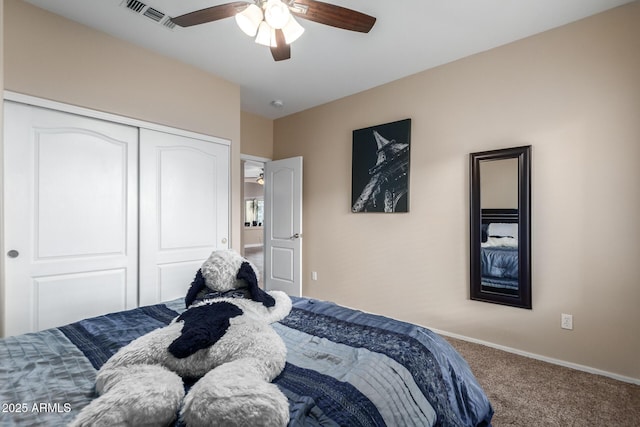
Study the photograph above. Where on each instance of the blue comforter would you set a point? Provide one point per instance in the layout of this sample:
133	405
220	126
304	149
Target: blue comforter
344	367
500	267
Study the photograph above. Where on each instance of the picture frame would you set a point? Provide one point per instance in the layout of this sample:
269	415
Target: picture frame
380	168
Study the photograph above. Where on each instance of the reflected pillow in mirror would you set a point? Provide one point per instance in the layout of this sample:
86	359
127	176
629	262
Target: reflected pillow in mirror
500	242
500	229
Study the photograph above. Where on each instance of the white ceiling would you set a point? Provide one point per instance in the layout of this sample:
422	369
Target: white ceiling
329	63
252	170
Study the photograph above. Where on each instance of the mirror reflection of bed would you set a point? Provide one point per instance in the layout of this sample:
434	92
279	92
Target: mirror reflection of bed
499	251
499	222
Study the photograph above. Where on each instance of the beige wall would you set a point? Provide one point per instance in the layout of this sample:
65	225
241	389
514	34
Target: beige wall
253	190
573	93
257	135
54	58
257	140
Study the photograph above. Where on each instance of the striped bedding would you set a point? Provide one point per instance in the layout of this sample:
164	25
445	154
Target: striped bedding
344	368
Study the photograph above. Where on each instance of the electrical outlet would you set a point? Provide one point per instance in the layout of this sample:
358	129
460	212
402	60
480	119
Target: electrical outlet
314	275
566	321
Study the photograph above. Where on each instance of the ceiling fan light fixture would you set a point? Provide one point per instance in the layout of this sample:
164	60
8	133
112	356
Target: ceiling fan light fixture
270	22
266	35
249	20
276	14
292	31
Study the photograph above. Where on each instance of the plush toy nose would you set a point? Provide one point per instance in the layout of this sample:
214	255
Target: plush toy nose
203	327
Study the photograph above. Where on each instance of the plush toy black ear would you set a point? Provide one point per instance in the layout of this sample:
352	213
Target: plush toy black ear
196	286
247	274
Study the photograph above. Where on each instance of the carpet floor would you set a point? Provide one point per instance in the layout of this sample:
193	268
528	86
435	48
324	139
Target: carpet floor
256	256
529	392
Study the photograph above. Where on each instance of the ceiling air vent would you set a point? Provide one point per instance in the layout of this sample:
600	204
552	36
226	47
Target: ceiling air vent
169	23
153	14
135	5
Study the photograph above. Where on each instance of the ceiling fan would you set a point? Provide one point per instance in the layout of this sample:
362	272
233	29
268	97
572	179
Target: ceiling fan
272	21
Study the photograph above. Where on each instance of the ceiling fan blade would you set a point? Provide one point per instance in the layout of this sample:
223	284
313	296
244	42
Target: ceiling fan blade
335	16
282	51
210	14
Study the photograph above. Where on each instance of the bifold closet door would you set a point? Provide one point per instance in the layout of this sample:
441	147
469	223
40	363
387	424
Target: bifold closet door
184	210
71	233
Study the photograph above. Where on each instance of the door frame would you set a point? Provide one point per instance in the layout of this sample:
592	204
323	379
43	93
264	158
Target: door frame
255	159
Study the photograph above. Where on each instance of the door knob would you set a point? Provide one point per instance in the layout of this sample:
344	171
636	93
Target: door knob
295	236
13	253
224	240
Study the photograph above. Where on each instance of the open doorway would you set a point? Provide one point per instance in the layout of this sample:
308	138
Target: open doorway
253	214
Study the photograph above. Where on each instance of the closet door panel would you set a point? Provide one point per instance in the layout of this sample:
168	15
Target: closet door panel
185	202
184	210
98	292
173	279
82	178
70	216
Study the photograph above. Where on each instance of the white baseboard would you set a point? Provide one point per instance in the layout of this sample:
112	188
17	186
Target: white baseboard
542	358
254	245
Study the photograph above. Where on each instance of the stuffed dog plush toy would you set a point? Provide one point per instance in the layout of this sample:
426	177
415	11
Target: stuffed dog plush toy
223	342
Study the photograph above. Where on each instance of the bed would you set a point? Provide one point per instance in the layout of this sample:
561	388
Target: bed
344	367
499	250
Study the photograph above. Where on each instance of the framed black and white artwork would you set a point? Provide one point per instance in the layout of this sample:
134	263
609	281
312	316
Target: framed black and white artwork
380	168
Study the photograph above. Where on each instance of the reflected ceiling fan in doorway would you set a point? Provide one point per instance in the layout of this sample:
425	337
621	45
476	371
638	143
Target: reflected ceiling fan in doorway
273	24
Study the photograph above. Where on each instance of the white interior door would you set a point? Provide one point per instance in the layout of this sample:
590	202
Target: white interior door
184	210
70	192
283	225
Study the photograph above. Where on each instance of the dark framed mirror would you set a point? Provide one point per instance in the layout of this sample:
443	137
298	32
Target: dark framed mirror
500	226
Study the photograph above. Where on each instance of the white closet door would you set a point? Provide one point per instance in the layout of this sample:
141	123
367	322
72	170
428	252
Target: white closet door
184	210
70	226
